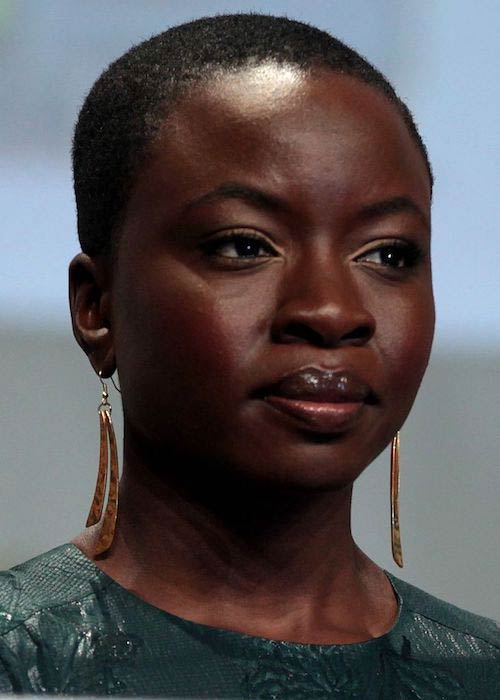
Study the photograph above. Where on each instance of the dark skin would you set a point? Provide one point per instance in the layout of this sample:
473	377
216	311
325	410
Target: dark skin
232	514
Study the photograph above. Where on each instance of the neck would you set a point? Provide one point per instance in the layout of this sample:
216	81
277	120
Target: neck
218	548
211	520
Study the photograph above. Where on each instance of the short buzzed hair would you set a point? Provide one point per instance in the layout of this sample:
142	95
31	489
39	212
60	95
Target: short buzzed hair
127	105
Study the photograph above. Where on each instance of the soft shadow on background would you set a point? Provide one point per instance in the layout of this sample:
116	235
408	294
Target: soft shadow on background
442	58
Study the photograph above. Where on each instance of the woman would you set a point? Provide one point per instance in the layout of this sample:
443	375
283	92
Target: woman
254	214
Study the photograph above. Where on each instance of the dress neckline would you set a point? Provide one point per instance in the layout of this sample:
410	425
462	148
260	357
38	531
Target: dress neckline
225	635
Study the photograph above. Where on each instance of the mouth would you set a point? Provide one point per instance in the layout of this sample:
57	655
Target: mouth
321	400
321	417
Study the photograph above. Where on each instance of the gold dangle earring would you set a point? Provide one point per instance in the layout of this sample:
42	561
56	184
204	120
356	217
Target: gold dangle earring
108	465
397	553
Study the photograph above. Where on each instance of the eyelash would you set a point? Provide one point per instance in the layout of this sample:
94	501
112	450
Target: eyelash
409	253
211	247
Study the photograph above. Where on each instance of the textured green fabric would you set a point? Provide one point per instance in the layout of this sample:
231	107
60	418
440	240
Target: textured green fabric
66	627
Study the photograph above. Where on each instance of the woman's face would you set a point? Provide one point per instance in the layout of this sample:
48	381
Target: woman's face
280	227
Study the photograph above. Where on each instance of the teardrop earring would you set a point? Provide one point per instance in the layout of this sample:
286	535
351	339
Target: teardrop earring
397	553
107	472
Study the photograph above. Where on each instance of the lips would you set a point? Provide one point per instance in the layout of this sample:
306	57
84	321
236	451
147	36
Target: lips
322	400
324	385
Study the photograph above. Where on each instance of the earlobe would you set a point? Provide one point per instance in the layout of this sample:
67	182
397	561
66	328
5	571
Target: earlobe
89	298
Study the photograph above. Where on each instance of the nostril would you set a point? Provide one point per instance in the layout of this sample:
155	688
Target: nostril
359	334
295	331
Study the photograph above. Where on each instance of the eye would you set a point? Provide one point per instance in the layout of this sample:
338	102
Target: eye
239	246
394	254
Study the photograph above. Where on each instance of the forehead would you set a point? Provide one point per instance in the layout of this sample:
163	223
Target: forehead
315	134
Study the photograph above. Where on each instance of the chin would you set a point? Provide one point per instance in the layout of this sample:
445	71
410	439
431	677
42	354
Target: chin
311	474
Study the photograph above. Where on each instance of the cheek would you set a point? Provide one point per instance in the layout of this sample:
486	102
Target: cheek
405	330
180	341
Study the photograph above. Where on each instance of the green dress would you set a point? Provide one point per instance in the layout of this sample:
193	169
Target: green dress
66	627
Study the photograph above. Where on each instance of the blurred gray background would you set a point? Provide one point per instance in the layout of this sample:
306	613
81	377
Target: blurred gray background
442	56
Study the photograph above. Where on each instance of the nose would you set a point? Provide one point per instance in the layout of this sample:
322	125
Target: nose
321	305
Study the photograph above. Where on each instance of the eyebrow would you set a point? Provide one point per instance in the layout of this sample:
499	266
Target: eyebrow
387	207
234	190
270	202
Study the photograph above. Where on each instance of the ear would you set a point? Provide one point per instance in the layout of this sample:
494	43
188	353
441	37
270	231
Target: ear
90	303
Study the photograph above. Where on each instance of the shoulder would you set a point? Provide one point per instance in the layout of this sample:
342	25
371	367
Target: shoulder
53	617
48	581
455	624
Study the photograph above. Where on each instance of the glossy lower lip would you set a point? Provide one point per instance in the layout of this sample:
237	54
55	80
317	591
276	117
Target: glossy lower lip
318	416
